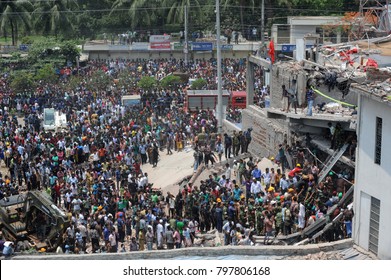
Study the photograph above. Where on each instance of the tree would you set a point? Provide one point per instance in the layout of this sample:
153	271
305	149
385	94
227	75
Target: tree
55	16
22	81
69	51
99	81
176	10
13	13
125	79
170	81
147	83
46	74
198	84
142	12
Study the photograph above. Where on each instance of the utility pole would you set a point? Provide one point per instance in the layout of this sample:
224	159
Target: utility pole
185	47
219	109
263	22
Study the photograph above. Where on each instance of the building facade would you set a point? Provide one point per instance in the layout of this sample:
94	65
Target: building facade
372	190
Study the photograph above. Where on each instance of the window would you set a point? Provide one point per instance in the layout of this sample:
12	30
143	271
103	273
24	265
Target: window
379	126
374	225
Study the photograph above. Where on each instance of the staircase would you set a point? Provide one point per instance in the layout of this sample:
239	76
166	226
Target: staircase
331	162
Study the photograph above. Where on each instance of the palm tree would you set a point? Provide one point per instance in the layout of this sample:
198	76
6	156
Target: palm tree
13	13
176	10
141	12
54	16
242	4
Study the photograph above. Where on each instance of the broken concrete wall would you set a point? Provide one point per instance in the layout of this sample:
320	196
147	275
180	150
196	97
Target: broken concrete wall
267	134
284	73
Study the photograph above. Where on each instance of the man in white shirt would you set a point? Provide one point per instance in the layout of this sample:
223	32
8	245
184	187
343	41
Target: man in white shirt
284	184
256	187
159	234
143	181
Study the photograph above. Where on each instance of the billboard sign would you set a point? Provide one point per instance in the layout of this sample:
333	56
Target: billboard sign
201	46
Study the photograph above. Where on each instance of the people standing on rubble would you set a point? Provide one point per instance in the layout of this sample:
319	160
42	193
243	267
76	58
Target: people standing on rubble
285	99
310	96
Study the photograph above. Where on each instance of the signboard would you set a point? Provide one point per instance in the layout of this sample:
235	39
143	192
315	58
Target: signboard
201	46
160	46
24	47
159	38
139	46
178	46
227	47
291	48
119	47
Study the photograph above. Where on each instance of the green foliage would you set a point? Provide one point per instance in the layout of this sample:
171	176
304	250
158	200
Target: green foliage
22	81
147	83
27	40
72	83
69	51
170	81
46	74
125	79
99	81
53	51
198	84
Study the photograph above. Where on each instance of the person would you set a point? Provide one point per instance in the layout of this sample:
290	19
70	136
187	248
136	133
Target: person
155	155
177	239
8	249
331	134
236	36
227	145
301	216
219	149
149	238
169	237
256	187
310	96
113	241
285	99
248	138
133	246
293	96
160	234
269	220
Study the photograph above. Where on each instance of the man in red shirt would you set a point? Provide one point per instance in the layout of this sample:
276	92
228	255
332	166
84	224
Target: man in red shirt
295	170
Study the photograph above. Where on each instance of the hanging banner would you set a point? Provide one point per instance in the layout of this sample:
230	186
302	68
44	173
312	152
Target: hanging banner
160	46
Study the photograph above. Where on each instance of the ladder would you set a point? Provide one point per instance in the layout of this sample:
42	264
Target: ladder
331	162
289	160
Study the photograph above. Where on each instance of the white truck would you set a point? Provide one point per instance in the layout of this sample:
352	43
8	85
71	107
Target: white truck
53	120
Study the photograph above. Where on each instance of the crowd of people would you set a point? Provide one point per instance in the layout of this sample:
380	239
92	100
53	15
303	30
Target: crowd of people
94	168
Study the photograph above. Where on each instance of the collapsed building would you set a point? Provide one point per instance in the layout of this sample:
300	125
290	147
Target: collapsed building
334	73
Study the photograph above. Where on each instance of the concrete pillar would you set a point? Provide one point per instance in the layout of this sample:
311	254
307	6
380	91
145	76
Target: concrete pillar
250	84
338	36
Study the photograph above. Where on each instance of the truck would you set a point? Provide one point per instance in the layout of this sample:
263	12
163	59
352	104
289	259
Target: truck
204	99
33	216
54	120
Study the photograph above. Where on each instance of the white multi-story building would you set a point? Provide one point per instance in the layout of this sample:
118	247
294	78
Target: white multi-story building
372	190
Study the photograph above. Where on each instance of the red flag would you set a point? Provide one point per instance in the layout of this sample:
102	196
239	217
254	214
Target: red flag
271	51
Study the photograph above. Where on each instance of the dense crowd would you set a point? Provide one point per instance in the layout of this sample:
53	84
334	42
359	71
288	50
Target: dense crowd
94	168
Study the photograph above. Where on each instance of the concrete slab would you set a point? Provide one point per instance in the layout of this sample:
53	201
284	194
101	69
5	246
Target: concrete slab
170	169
